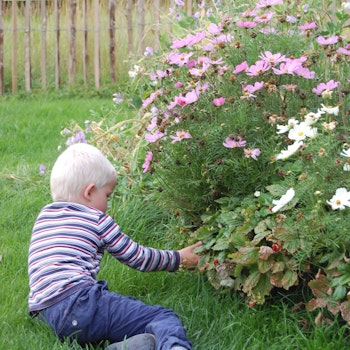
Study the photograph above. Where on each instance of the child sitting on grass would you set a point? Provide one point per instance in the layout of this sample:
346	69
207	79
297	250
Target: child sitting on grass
68	240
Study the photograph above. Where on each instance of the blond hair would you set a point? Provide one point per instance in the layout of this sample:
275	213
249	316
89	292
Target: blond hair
78	166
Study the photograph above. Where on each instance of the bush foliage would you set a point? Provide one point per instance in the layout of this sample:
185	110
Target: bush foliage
246	140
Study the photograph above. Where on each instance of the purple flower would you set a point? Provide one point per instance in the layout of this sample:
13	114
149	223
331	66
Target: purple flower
118	98
79	137
234	141
42	169
148	51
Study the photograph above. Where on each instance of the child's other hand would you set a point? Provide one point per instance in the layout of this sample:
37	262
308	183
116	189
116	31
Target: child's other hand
188	258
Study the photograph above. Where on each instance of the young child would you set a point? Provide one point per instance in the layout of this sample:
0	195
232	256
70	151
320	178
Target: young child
68	240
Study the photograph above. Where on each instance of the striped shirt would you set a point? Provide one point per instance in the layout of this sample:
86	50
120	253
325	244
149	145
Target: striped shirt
66	248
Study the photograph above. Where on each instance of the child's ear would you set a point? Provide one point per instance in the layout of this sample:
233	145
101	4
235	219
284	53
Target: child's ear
88	191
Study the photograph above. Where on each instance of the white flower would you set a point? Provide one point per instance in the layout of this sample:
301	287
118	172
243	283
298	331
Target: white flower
257	194
312	118
346	5
301	131
290	150
284	128
330	109
346	167
330	126
340	200
345	153
286	198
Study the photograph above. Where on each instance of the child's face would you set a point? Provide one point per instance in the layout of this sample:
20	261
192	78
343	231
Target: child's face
99	196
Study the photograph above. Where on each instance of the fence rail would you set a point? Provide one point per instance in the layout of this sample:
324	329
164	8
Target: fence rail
61	37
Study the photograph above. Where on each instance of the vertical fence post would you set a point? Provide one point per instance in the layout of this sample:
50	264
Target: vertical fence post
72	45
111	12
189	7
141	25
2	82
97	43
14	47
43	43
27	58
156	21
128	14
57	44
85	44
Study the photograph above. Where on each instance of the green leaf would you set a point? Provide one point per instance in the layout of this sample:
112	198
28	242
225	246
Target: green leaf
221	244
278	266
245	255
264	286
339	293
238	240
251	281
289	279
265	266
260	227
277	190
260	236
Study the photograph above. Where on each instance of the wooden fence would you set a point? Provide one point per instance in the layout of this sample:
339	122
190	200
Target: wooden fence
98	24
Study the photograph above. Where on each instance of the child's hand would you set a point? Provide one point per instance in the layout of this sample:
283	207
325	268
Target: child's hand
188	258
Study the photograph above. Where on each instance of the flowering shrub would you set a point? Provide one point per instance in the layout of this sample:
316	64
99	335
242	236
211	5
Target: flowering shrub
247	141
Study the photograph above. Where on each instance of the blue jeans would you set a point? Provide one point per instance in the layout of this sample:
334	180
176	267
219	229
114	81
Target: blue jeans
93	315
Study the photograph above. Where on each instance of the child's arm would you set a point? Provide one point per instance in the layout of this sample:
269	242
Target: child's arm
188	258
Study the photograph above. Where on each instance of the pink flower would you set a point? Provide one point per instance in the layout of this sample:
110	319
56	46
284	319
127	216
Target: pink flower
344	51
198	72
180	135
266	17
268	3
179	59
178	84
252	153
214	28
288	67
153	96
258	68
147	162
163	74
201	88
325	86
183	101
272	59
189	40
223	38
305	73
330	41
153	124
191	64
234	141
246	25
249	13
154	137
219	101
308	26
252	88
241	67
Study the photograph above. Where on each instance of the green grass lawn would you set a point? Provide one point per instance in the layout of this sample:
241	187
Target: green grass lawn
29	135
